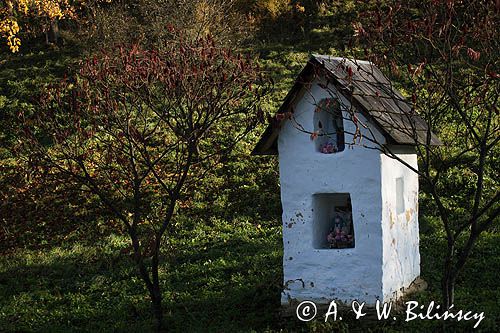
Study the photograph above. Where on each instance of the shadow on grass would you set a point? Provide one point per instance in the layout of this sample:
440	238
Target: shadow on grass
477	287
223	286
228	286
323	33
38	61
23	76
222	280
38	211
71	289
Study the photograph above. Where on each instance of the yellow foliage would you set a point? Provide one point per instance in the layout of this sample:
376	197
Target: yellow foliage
299	8
31	9
203	10
273	7
9	28
276	8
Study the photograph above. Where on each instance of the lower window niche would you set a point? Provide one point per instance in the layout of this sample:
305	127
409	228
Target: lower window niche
333	227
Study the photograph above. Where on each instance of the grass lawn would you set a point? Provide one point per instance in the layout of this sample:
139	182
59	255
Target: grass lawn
225	277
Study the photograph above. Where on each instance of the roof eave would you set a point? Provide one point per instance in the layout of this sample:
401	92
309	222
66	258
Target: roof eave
267	145
263	146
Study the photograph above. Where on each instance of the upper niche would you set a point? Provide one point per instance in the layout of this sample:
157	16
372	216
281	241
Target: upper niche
329	126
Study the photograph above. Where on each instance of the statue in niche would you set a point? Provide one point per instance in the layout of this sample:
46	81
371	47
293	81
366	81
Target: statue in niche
340	234
328	148
329	126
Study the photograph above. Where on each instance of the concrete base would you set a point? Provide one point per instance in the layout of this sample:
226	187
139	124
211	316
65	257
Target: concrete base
398	304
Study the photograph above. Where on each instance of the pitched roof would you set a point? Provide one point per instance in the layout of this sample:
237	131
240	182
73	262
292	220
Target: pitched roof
369	90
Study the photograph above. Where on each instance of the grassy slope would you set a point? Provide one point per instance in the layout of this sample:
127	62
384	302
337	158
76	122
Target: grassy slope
63	269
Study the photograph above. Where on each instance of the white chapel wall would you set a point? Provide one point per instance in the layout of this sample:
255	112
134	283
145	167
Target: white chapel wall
324	274
401	255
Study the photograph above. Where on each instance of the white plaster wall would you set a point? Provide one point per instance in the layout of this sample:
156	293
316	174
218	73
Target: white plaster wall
401	256
325	274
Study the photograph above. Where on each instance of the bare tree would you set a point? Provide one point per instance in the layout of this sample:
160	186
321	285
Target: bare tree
137	128
446	53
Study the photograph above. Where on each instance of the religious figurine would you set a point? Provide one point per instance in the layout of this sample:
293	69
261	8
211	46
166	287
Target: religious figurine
328	148
331	236
338	223
338	236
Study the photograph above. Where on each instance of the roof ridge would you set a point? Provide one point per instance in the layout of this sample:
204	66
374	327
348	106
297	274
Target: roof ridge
330	57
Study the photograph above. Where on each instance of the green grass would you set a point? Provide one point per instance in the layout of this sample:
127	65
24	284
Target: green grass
225	277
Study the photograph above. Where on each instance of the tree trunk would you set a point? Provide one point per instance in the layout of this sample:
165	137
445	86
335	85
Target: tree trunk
52	35
448	281
448	290
157	306
152	285
156	300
